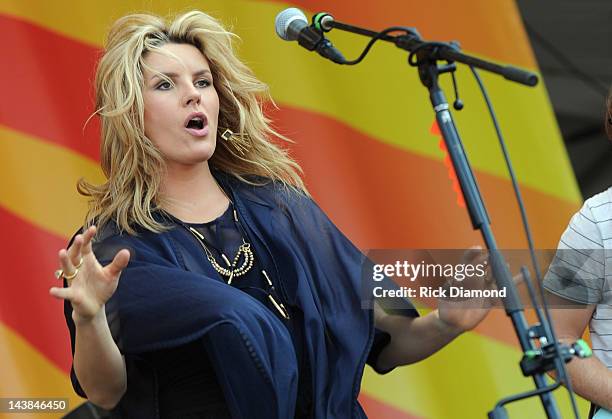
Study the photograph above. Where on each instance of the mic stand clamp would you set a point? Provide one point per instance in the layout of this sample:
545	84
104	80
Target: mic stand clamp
539	361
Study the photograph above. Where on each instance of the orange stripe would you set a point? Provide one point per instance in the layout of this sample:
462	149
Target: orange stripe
380	410
26	373
47	90
25	303
481	26
392	198
46	179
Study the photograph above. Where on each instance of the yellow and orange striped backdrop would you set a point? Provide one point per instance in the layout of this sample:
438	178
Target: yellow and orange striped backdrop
363	135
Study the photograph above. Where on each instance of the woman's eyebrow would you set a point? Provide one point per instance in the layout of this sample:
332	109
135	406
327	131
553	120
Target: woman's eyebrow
171	75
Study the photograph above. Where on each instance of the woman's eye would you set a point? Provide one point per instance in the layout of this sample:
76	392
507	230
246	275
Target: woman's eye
164	86
202	83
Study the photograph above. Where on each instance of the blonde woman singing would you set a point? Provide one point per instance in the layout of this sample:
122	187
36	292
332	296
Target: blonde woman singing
205	282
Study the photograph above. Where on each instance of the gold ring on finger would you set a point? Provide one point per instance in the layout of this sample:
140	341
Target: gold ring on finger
79	264
71	276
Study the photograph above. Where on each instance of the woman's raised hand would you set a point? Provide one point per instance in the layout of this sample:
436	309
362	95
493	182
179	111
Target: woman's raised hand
90	285
466	314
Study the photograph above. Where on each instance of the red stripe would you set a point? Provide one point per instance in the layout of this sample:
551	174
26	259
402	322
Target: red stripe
46	86
29	258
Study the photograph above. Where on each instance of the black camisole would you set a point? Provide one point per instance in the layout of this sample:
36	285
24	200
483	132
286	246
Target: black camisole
187	383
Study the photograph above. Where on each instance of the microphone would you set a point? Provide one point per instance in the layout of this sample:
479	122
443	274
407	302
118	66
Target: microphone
291	25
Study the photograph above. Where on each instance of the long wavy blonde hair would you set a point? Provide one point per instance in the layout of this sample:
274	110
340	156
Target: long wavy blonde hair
131	162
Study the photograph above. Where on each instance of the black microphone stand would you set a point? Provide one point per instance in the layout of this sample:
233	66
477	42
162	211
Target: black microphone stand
428	73
426	55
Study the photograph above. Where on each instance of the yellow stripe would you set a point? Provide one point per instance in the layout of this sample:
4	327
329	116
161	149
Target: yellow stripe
464	380
381	97
89	21
26	373
39	182
397	112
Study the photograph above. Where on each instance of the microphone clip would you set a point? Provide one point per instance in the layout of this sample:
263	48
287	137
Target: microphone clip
313	39
310	38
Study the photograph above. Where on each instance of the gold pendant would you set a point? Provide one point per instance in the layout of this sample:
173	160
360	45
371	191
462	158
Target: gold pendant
280	307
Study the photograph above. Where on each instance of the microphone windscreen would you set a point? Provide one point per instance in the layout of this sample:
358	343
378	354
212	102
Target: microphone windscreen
283	22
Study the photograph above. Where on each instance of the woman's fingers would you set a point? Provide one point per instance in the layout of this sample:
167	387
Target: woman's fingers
71	259
65	262
474	251
518	279
63	293
80	246
87	238
74	252
120	261
475	255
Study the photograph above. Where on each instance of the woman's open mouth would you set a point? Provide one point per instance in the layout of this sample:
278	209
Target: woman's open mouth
197	124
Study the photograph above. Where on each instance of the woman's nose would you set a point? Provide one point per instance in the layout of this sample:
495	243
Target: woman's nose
193	96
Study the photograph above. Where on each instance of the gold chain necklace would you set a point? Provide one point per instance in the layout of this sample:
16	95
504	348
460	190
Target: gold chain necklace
233	270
